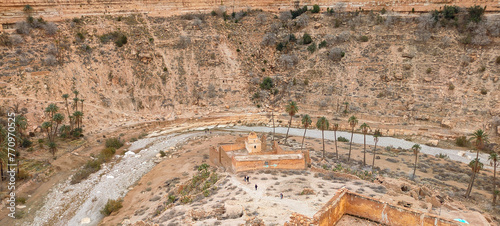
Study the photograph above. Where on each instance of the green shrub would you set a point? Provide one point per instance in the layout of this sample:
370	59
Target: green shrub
364	38
122	40
462	141
383	11
428	71
315	9
475	13
449	12
26	143
311	48
21	200
280	46
442	156
482	68
337	23
162	154
322	44
108	153
114	143
267	83
306	39
342	139
306	82
484	91
451	86
111	206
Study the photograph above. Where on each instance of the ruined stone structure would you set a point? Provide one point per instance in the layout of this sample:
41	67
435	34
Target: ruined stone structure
345	202
252	154
12	10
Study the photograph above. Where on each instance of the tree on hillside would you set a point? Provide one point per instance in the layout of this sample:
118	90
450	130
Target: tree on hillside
78	117
306	121
58	118
28	10
353	121
66	96
479	137
322	124
335	127
291	109
376	135
46	126
494	161
75	106
51	110
364	128
416	149
21	125
53	148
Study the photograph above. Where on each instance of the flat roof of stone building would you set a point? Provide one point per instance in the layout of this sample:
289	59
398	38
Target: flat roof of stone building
268	157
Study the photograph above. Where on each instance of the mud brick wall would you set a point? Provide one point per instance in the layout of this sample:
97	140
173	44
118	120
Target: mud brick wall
260	164
346	202
219	157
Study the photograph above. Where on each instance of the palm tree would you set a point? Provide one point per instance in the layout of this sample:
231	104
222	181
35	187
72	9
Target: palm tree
306	121
416	149
479	137
46	126
58	118
81	101
291	109
364	127
66	96
21	124
353	121
322	124
376	135
493	159
335	127
78	115
53	148
51	110
75	104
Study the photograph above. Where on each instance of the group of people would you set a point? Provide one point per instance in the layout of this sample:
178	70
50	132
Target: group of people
247	179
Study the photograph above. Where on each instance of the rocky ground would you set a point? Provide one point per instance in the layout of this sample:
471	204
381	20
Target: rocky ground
237	202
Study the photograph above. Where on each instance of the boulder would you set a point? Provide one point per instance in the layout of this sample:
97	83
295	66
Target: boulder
317	25
233	211
446	123
433	143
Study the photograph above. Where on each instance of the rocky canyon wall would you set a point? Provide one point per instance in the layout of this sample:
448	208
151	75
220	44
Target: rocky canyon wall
12	10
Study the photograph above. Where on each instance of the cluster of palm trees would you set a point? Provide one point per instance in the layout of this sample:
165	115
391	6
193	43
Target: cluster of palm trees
322	124
51	128
479	137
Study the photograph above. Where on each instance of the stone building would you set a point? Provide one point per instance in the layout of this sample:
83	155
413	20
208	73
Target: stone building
251	153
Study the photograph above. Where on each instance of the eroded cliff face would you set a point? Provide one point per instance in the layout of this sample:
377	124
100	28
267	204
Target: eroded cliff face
11	10
192	65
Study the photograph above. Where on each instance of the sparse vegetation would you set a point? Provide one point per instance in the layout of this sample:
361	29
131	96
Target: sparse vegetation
111	206
114	143
342	139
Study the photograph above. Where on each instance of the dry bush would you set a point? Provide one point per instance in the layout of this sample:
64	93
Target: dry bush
336	54
16	39
220	11
302	20
285	16
50	28
23	28
480	36
422	35
50	60
425	21
269	39
184	41
261	19
275	27
52	50
493	26
288	60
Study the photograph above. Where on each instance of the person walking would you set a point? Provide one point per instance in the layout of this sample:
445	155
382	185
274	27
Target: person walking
248	179
256	187
245	178
281	195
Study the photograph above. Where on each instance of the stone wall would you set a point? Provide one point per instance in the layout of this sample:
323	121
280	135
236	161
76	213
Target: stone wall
291	164
345	202
12	10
